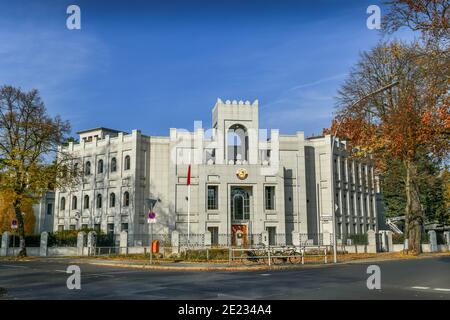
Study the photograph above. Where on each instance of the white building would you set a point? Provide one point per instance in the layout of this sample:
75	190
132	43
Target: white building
244	181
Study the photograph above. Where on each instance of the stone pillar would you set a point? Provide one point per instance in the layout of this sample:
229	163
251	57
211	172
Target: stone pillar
390	243
326	239
447	238
265	238
5	243
175	241
295	238
91	242
44	244
372	242
433	241
80	242
207	237
123	243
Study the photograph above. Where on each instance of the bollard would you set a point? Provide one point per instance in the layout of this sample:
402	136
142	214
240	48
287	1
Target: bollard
303	255
325	253
268	252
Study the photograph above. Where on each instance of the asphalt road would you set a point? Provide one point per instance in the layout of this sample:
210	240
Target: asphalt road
407	279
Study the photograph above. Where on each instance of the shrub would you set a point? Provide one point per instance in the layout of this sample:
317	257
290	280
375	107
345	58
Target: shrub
359	239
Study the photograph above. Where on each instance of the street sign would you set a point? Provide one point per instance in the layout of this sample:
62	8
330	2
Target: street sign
151	217
14	224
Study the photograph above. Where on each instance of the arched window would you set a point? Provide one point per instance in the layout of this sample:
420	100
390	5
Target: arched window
126	199
87	169
99	201
100	166
75	170
113	165
112	200
74	202
63	204
127	163
240	204
237	143
64	171
86	202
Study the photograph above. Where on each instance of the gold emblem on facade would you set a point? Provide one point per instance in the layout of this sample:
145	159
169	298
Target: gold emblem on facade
242	174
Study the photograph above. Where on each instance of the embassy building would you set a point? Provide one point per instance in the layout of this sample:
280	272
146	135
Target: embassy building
244	182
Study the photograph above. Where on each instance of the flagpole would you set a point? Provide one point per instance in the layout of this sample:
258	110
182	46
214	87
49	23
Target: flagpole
188	182
189	213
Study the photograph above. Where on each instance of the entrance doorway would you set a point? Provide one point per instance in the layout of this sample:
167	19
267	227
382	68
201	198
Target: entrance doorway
240	203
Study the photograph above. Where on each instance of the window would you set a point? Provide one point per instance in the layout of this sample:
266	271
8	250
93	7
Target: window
270	197
97	227
50	208
99	201
112	200
212	198
86	202
113	165
127	163
74	203
272	231
75	170
87	169
126	199
240	204
63	204
214	235
100	166
84	226
61	227
110	228
124	227
72	227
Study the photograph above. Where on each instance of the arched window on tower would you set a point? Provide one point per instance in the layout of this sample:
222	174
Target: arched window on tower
237	144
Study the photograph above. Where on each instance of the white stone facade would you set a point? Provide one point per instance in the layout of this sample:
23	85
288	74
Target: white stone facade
244	181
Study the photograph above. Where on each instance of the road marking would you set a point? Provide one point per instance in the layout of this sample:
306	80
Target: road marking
442	289
11	266
265	274
421	288
64	271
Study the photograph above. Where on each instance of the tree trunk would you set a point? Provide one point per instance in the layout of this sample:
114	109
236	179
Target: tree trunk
414	214
21	228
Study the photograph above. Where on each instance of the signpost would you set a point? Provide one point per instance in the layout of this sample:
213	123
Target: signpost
151	220
14	227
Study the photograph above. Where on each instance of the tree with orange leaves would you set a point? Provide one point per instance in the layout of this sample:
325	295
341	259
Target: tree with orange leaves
7	213
410	117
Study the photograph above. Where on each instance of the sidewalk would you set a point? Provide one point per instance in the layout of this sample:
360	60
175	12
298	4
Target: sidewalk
204	266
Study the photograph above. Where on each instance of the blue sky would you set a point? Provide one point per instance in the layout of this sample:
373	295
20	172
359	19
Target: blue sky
152	65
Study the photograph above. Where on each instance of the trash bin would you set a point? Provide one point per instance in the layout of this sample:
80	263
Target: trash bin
155	246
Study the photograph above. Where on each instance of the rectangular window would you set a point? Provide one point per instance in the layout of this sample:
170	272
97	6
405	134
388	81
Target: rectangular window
124	227
84	226
270	197
214	235
213	197
50	208
72	227
60	228
97	227
110	229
